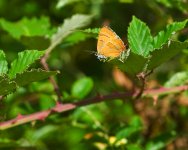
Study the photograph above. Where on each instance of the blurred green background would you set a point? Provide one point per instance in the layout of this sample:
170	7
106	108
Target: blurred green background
128	125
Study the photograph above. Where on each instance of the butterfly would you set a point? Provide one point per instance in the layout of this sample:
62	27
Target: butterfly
109	44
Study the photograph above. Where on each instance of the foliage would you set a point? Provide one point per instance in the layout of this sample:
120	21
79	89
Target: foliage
153	49
180	78
18	75
69	25
136	31
82	87
27	27
52	74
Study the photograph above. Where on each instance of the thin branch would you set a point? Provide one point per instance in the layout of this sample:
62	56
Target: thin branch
52	80
59	108
48	51
45	65
164	91
142	77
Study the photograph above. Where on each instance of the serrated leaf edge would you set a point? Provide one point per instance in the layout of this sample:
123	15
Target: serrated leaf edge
27	66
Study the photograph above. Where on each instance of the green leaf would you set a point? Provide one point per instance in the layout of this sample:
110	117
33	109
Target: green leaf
167	3
82	87
163	54
136	121
7	86
92	30
46	101
133	65
3	63
75	22
126	1
24	60
84	115
42	87
177	79
161	141
135	126
35	42
134	147
6	142
178	4
41	133
81	35
75	38
27	27
32	76
127	132
139	37
163	36
62	3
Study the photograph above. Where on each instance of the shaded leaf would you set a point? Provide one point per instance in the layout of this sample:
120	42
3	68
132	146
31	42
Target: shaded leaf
46	101
3	63
163	54
177	79
163	36
167	3
179	4
139	37
75	38
6	142
27	27
161	141
82	87
75	22
24	60
136	121
43	132
84	115
133	65
128	131
81	35
43	87
134	147
32	76
36	42
7	86
135	126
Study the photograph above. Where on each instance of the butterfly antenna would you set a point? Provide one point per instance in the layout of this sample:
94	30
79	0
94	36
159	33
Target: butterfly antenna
90	51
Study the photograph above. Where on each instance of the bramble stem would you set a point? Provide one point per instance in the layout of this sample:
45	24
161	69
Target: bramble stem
59	108
52	80
142	77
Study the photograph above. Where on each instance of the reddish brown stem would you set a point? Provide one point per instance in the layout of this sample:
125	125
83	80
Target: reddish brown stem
142	77
52	80
59	108
45	65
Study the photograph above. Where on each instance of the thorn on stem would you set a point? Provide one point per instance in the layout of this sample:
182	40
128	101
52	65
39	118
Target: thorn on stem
58	103
155	100
19	116
42	118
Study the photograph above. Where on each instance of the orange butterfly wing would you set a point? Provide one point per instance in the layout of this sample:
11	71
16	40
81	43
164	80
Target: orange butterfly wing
109	44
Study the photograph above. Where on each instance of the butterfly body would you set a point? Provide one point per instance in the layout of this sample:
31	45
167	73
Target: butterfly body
109	44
